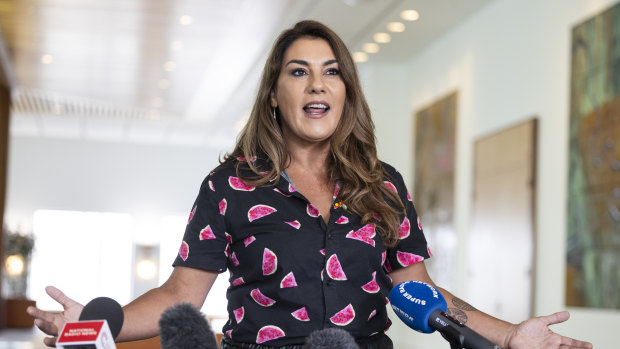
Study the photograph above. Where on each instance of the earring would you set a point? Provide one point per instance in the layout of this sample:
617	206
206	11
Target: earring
274	113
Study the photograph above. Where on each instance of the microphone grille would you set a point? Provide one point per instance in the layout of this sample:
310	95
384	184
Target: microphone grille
104	308
183	326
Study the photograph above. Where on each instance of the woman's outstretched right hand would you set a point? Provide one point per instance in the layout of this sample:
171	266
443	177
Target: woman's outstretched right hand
51	323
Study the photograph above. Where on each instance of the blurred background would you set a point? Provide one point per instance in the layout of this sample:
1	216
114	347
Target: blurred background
114	111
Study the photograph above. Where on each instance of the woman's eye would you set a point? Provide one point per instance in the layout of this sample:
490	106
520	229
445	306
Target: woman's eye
298	72
333	71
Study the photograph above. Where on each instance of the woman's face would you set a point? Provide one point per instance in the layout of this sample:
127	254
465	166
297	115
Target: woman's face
309	93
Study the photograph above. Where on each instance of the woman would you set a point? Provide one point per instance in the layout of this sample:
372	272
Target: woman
314	229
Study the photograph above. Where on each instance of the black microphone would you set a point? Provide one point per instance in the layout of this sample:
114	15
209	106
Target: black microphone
104	308
422	307
99	323
329	338
182	326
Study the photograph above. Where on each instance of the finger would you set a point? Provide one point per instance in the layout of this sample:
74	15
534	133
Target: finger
573	343
556	318
50	341
40	314
59	296
48	327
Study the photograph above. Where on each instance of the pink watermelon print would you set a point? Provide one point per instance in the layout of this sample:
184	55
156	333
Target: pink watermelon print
336	191
376	216
244	159
238	184
269	333
312	211
233	258
409	196
364	234
261	299
259	211
239	314
281	192
342	220
238	281
206	233
372	314
229	334
334	269
211	185
383	255
429	251
249	240
222	205
301	314
295	224
270	262
322	251
387	266
419	224
343	317
372	286
291	188
184	250
391	186
228	238
406	258
405	228
288	281
191	214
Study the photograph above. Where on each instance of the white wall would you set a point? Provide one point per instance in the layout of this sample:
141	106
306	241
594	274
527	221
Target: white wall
509	62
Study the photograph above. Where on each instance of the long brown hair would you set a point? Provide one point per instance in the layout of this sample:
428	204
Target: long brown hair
353	155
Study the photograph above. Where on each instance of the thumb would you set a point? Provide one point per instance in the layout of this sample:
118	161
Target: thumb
555	318
60	297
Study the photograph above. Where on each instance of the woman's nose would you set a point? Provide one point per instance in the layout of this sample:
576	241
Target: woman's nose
316	84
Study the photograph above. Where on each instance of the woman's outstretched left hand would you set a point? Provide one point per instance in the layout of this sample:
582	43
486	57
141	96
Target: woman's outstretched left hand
535	334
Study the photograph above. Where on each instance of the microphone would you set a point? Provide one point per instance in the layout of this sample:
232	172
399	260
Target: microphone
421	307
99	323
182	326
329	338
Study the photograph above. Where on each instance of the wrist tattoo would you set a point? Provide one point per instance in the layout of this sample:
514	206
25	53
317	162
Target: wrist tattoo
457	314
461	304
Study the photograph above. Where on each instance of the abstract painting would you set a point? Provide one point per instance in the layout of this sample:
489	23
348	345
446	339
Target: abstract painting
593	200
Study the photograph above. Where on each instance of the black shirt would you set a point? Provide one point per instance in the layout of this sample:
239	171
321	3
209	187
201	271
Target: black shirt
277	246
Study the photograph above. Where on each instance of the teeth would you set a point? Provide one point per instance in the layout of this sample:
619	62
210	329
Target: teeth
317	106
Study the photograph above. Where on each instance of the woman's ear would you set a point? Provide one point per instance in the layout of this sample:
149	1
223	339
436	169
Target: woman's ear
274	102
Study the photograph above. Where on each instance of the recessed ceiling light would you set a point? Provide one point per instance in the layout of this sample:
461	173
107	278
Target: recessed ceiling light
163	84
382	38
370	47
185	20
396	27
360	57
410	15
47	59
169	66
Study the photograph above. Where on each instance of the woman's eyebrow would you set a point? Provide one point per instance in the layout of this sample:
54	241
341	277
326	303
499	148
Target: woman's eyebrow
305	63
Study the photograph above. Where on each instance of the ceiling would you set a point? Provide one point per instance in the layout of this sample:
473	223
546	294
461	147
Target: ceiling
177	72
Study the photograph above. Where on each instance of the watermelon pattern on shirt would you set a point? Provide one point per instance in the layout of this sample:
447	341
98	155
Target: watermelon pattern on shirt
290	272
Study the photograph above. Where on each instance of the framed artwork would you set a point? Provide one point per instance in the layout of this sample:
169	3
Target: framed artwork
433	193
593	200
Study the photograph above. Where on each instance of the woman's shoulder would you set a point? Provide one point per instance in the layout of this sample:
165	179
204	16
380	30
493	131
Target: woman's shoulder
390	171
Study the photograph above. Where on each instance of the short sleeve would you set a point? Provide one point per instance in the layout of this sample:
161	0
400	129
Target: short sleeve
412	246
204	244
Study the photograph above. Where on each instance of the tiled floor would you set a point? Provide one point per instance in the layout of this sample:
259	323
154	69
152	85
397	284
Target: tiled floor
21	339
